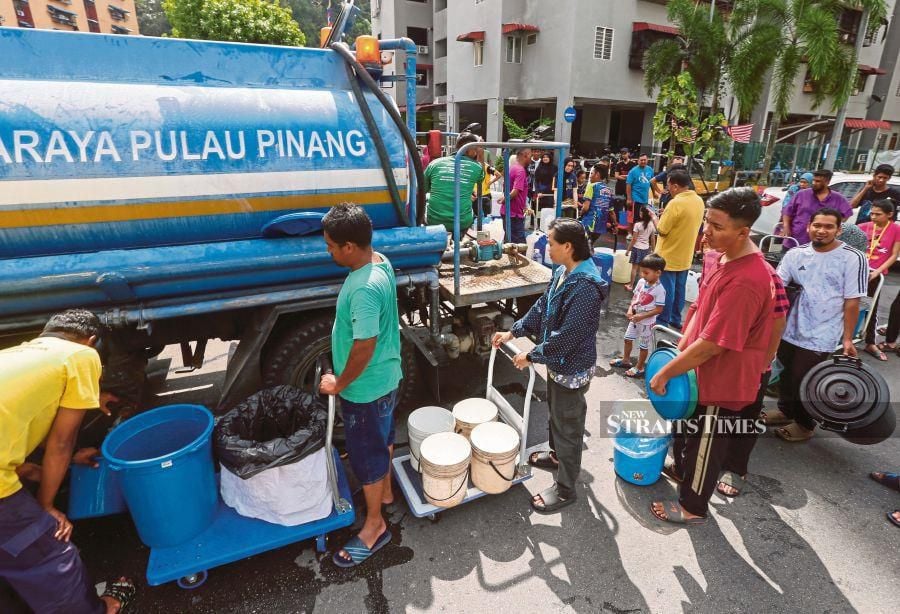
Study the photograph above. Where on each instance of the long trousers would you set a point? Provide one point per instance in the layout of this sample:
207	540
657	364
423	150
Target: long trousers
742	444
568	410
797	363
873	320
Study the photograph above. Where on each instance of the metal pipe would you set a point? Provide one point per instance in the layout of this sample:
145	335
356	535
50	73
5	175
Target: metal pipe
142	315
435	287
456	169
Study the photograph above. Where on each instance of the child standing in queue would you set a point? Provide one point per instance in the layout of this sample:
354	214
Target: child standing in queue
640	244
647	302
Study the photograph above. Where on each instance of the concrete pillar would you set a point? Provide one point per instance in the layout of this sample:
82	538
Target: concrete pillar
494	128
563	130
648	143
452	117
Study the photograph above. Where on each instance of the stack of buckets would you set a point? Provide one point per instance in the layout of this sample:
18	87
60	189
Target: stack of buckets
163	458
447	447
641	442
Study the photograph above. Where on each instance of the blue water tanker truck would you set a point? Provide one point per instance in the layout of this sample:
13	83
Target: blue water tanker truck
176	188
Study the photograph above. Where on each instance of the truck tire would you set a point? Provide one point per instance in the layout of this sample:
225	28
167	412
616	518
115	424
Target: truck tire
292	358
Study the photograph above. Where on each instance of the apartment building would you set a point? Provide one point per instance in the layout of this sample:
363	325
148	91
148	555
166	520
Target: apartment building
107	16
480	59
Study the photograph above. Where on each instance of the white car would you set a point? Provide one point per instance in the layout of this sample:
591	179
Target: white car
847	184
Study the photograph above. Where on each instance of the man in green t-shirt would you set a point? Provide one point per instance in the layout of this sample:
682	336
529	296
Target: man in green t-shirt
365	346
441	188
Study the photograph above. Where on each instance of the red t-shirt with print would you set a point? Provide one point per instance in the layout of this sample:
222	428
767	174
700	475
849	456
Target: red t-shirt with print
734	311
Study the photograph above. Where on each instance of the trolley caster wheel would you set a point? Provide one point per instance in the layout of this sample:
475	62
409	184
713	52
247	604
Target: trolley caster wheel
192	581
434	518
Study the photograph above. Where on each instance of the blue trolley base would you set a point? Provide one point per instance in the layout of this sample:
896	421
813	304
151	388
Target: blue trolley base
233	537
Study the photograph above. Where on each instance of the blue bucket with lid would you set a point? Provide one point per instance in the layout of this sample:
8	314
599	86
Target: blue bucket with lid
165	468
639	459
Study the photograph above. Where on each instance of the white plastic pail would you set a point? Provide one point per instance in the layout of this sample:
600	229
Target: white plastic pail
495	448
444	463
469	413
423	422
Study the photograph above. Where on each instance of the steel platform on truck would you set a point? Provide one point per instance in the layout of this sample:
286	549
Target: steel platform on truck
482	282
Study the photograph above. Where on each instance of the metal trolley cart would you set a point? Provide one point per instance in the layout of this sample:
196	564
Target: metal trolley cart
410	480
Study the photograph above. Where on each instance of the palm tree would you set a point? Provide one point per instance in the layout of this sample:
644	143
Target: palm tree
717	49
810	35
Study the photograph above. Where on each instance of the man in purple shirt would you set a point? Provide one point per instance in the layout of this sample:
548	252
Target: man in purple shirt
518	194
797	214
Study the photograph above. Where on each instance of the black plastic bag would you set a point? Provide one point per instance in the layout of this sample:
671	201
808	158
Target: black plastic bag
274	427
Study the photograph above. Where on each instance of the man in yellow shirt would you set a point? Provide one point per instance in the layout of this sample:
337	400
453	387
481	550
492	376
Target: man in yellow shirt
46	387
678	229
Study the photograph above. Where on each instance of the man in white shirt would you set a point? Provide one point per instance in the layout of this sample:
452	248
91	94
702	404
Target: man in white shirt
833	277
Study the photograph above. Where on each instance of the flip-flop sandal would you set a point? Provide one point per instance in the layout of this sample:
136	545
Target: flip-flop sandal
884	346
358	551
794	433
543	460
891	480
122	591
877	354
675	514
551	501
774	417
881	330
729	478
620	363
669	472
893	518
634	373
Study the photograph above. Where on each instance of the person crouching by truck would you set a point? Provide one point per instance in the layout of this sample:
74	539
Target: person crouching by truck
47	386
564	322
365	345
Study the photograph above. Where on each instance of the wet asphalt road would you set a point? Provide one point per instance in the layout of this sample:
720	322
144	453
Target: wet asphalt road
810	534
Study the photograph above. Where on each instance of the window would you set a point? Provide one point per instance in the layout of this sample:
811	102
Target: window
120	30
514	49
418	35
440	48
603	43
421	77
897	93
439	5
531	39
860	85
478	46
440	89
118	14
848	25
847	189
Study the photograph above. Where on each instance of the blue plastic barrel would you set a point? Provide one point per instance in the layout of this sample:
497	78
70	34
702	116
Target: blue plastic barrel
638	459
94	491
165	464
603	258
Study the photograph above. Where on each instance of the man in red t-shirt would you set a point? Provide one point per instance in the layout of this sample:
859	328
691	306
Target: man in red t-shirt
727	339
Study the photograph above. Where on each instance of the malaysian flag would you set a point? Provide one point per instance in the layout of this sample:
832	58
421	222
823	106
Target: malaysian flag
693	136
741	134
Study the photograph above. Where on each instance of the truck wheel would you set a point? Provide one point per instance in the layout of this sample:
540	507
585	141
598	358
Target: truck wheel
292	359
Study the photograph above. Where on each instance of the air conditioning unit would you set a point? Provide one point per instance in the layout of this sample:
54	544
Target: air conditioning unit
422	49
439	100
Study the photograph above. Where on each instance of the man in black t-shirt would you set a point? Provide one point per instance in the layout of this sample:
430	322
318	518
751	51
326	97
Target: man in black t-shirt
624	165
874	190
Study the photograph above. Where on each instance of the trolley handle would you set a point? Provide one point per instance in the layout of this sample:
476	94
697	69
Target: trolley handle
509	350
773	237
324	367
667	331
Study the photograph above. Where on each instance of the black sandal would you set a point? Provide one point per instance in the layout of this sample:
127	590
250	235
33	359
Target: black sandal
891	480
545	459
550	501
123	591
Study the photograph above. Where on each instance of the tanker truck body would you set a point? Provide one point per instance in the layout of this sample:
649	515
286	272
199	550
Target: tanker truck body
176	188
166	184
